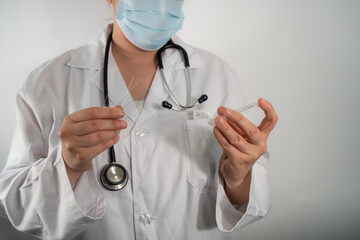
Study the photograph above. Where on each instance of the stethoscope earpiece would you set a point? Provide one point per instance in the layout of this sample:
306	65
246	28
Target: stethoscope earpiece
166	104
203	98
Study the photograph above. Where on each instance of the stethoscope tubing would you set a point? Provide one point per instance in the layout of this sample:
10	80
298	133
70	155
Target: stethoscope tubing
173	96
105	180
180	107
115	185
106	92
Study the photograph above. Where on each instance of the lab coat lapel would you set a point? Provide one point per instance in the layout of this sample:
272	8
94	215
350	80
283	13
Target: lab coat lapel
118	93
91	57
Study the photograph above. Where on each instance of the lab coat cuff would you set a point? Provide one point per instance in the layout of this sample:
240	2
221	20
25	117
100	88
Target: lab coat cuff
230	217
86	199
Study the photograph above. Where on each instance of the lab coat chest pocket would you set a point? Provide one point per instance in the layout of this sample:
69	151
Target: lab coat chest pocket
203	154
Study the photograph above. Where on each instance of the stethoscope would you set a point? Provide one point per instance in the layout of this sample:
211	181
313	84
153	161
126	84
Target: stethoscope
166	104
114	176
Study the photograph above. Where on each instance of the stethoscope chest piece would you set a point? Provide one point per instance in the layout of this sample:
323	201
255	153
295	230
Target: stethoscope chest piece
114	177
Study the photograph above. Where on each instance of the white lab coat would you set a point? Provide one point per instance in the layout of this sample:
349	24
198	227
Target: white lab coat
174	191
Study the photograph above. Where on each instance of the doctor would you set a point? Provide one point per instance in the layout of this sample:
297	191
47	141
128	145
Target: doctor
187	180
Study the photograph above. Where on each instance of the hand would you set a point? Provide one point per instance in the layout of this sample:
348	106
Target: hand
243	143
87	133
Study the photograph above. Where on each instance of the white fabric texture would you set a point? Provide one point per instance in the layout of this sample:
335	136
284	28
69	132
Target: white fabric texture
174	190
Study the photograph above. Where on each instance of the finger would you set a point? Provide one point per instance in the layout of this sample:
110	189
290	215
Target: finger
237	129
95	138
229	149
231	135
96	113
252	133
93	151
86	127
269	122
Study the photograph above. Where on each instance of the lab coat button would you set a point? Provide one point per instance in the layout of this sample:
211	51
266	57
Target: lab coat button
145	219
141	132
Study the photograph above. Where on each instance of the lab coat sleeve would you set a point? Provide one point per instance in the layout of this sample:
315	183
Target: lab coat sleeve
35	193
230	217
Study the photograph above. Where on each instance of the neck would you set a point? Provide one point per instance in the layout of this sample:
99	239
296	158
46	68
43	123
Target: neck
137	67
124	50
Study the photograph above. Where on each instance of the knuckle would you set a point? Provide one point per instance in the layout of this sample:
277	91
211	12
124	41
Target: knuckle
100	136
243	161
226	127
69	146
247	161
81	156
263	149
67	119
95	124
240	117
224	167
93	112
226	145
254	156
236	139
254	131
62	133
276	118
115	140
109	143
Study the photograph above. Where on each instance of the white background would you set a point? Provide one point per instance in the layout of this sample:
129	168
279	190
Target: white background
302	55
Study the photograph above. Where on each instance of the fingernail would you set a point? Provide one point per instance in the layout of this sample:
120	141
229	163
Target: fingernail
118	107
221	120
123	124
229	112
119	113
262	100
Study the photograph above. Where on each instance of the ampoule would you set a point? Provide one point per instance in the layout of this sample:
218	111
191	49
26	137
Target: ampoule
241	110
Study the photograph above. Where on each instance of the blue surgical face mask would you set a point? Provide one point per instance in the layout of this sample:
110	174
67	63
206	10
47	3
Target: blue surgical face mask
149	24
